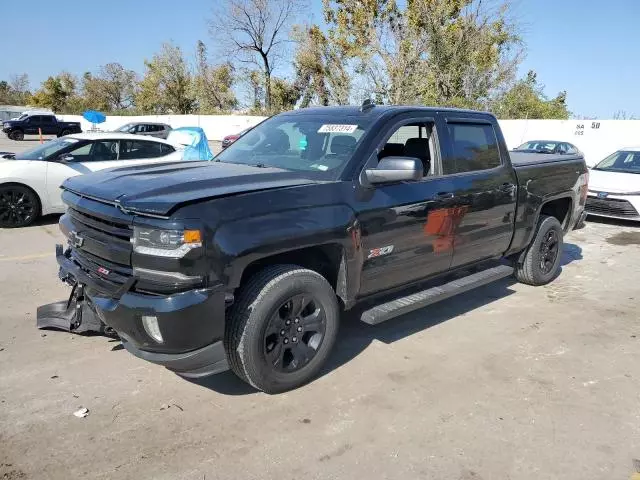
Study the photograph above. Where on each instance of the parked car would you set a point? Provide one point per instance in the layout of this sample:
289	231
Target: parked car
548	146
229	139
246	262
159	130
614	189
32	124
30	181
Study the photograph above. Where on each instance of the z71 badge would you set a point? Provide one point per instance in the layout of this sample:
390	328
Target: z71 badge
379	252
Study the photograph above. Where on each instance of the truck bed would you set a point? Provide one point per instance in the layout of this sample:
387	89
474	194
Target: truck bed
525	158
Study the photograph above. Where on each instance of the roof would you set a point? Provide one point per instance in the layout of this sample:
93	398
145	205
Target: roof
114	136
376	110
629	149
140	122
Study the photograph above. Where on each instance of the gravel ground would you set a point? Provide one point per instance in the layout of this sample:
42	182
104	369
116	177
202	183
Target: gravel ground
505	382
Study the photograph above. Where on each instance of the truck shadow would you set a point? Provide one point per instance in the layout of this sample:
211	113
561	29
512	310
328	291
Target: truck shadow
354	336
570	253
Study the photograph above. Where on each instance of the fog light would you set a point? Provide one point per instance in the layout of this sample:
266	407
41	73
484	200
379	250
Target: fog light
151	326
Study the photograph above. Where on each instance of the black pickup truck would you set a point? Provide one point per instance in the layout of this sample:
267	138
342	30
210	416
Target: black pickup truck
36	123
246	262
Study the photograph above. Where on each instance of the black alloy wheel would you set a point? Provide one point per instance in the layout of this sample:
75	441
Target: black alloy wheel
294	333
548	251
19	206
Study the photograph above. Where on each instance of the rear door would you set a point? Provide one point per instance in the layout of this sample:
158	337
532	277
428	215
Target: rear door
476	159
49	125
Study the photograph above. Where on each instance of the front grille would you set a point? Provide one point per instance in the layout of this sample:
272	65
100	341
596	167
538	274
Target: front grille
613	207
104	249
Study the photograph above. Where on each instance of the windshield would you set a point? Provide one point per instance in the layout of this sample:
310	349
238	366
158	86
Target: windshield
308	143
621	161
538	146
125	128
47	149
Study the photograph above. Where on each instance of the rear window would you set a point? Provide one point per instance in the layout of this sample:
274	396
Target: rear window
474	147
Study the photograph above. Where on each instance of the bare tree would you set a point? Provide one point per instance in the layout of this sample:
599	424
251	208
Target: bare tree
255	32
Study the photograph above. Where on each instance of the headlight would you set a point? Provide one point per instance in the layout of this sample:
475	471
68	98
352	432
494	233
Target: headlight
165	243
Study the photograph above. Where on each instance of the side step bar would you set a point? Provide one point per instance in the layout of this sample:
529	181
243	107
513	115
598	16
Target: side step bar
400	306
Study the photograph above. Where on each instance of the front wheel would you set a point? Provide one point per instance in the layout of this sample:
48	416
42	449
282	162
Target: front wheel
542	259
19	206
282	327
18	136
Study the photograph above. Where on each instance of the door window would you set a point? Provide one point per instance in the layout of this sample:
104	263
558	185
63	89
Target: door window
101	151
473	147
412	140
47	120
136	149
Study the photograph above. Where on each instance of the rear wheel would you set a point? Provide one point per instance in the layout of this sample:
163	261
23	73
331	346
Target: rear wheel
282	328
19	206
542	260
17	135
65	132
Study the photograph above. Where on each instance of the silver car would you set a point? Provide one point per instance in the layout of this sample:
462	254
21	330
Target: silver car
159	130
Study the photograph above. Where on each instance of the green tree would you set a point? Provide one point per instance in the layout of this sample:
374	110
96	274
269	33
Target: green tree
321	74
285	95
213	84
439	52
527	100
167	85
59	93
15	91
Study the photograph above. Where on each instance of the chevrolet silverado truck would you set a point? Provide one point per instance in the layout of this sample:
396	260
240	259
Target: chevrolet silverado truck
36	123
247	262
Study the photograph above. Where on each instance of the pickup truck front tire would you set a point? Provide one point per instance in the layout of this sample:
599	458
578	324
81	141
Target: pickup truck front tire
541	263
17	135
281	328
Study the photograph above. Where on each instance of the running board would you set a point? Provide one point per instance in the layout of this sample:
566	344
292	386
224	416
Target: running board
402	305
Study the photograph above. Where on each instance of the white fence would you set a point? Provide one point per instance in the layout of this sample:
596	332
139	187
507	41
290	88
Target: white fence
596	138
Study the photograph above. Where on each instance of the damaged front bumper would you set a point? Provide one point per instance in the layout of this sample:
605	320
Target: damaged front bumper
191	323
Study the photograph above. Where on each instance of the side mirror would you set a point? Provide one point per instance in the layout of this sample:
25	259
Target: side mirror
395	169
65	158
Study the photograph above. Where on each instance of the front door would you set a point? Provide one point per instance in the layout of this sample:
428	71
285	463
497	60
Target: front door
485	187
31	125
406	228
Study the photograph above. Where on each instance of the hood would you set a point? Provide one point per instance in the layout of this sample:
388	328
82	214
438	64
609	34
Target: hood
614	182
158	188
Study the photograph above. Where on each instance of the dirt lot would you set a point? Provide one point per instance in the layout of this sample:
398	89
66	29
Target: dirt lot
508	381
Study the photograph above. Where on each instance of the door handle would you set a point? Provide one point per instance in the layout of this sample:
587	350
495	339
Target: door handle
443	195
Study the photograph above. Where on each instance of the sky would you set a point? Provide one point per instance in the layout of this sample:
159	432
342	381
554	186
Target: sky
587	47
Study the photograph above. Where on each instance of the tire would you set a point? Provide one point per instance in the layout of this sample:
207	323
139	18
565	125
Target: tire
17	135
531	270
260	346
19	206
65	132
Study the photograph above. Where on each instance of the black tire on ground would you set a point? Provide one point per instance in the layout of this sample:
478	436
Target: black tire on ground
281	328
65	132
541	263
17	135
19	206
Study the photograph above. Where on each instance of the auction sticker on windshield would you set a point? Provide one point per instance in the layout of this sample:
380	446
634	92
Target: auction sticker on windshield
328	128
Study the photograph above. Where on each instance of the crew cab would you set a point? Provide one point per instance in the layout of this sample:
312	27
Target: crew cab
247	262
36	123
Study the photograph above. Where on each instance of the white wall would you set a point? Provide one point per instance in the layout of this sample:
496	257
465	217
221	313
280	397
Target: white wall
596	138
